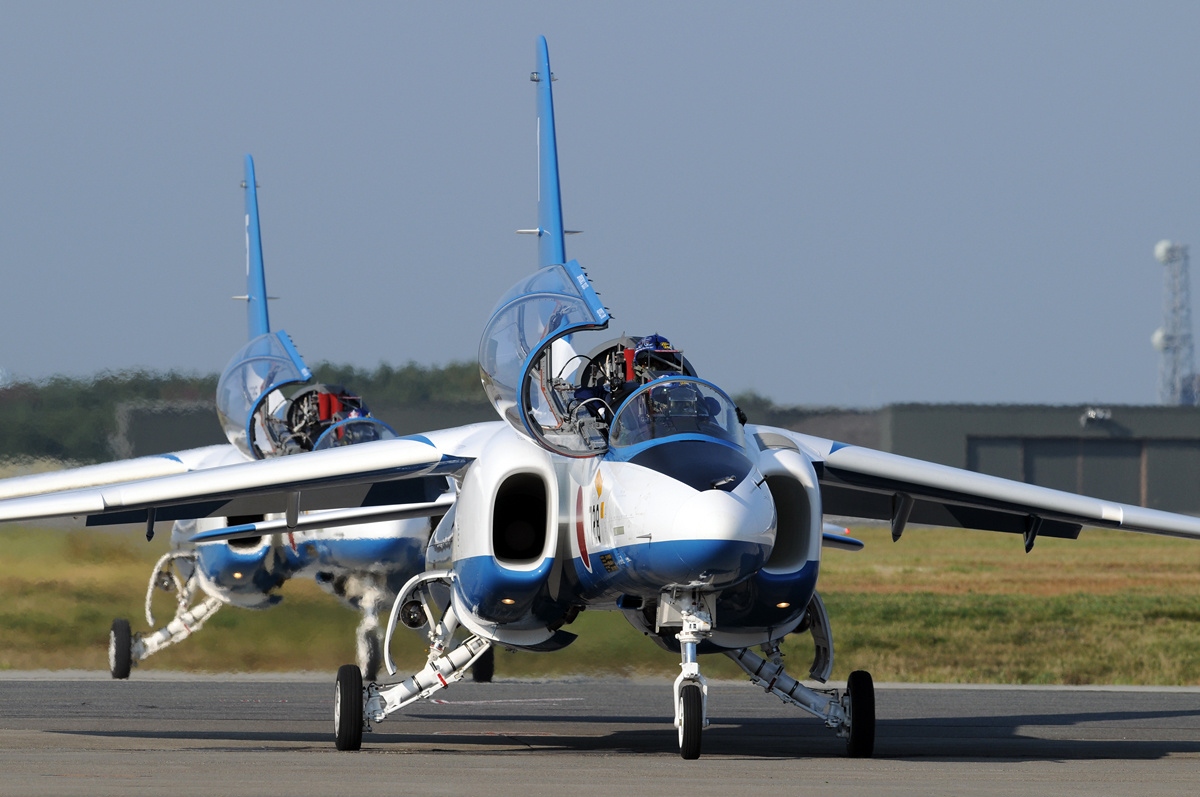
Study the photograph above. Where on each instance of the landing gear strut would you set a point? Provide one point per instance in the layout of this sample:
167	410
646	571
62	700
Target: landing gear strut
126	649
484	668
356	707
690	610
851	713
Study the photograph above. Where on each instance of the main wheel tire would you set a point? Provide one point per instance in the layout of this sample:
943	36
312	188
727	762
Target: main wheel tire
120	649
691	708
861	690
484	667
348	708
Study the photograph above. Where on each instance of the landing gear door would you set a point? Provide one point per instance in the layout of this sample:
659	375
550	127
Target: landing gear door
261	367
530	364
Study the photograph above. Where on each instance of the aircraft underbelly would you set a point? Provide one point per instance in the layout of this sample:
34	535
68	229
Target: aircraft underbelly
646	569
365	555
367	548
245	577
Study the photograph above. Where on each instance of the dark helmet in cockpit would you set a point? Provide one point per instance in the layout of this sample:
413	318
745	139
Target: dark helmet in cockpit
657	354
655	342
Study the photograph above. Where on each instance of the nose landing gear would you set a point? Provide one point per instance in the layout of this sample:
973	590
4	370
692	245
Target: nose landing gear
690	610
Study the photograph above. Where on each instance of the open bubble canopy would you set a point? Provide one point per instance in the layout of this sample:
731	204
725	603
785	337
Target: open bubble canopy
263	365
526	358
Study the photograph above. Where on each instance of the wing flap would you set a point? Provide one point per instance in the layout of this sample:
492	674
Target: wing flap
853	501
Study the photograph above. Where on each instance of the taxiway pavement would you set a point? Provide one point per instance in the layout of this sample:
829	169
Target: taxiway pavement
160	733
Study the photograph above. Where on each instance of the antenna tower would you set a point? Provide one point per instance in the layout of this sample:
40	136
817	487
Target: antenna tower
1176	373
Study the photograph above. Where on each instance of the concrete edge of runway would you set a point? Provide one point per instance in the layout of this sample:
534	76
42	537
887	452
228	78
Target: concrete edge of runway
309	676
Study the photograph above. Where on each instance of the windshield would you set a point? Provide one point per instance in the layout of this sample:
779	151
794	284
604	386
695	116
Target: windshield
681	406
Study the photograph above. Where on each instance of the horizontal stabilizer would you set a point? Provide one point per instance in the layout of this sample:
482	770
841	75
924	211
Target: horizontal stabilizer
841	542
557	642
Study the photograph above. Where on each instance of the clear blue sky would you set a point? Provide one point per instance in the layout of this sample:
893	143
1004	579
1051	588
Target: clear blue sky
830	203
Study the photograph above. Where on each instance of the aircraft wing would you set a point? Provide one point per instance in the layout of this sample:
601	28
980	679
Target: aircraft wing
864	483
112	472
407	470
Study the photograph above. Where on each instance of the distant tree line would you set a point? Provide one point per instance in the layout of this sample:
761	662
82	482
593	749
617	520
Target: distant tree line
456	383
74	419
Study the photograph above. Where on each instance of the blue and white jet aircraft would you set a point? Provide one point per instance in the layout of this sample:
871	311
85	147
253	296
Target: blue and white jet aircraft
617	480
363	565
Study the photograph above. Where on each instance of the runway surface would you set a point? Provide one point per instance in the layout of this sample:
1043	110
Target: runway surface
178	735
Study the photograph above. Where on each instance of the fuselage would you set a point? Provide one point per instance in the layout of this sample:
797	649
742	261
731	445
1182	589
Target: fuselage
678	502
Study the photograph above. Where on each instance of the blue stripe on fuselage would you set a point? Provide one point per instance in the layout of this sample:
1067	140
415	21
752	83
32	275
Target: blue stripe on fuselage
484	584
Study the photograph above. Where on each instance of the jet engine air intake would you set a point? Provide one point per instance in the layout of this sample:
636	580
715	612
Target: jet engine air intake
519	519
794	528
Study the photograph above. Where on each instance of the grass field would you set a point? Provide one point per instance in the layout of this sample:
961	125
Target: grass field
950	606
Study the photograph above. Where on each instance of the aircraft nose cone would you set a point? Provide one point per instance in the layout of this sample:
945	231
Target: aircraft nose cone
723	537
745	516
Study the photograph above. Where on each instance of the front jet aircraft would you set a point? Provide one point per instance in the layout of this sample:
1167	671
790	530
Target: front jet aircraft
619	480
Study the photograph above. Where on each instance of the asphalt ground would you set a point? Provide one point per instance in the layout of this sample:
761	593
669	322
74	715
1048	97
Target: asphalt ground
163	733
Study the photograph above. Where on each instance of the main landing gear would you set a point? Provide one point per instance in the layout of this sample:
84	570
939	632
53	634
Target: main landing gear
356	707
126	649
851	713
348	708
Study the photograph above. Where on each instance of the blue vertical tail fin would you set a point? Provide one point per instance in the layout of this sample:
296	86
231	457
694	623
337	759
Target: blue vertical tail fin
551	246
256	281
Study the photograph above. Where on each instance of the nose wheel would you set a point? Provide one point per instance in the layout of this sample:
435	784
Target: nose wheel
691	720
